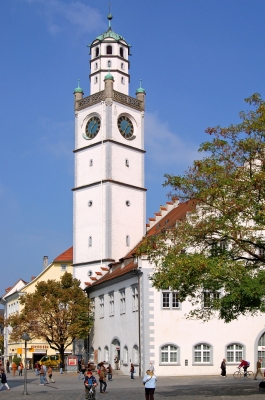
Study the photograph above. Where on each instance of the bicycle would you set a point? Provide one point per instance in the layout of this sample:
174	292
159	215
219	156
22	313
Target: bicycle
90	394
239	374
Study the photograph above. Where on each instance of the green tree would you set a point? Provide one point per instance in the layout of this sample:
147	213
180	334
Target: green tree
57	312
220	245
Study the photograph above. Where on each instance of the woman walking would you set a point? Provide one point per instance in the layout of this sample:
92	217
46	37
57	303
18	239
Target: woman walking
102	380
223	367
3	380
149	382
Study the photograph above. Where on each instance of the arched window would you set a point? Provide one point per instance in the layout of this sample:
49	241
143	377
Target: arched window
96	65
109	63
96	79
169	354
121	52
261	353
122	65
234	353
109	50
125	355
97	52
135	355
127	164
127	240
106	353
202	353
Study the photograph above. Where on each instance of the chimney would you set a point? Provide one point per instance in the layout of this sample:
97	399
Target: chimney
32	278
45	262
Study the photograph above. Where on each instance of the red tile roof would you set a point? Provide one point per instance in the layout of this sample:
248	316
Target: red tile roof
66	256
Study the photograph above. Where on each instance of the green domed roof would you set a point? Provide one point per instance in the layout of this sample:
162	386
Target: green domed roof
108	76
78	89
110	34
140	89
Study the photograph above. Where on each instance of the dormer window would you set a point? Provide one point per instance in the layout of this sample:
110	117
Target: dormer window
121	52
97	52
109	49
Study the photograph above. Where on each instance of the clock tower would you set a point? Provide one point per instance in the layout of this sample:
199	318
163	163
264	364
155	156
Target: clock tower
108	194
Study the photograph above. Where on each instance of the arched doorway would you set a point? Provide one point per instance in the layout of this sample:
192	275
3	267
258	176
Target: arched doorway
261	349
116	352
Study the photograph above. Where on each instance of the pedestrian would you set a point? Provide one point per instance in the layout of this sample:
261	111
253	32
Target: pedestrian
82	370
61	365
132	371
50	375
258	369
4	380
223	367
109	371
20	368
149	382
45	373
90	382
41	373
14	368
7	366
102	380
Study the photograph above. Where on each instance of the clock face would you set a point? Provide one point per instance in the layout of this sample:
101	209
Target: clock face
125	126
92	127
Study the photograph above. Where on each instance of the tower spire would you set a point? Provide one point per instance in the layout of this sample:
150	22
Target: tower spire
110	16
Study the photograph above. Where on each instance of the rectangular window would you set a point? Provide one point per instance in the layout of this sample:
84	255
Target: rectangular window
135	298
63	267
101	306
122	301
170	300
218	248
92	306
111	304
209	297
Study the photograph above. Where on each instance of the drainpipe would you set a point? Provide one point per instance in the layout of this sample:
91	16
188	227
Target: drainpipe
139	273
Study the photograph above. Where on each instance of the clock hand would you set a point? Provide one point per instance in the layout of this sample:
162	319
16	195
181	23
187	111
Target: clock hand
126	128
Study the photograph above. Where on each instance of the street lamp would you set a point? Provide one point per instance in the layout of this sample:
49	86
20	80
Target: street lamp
26	338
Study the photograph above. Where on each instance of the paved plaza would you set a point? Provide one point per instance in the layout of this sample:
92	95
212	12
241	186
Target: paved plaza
66	387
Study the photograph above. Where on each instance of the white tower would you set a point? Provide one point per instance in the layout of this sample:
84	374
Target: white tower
109	194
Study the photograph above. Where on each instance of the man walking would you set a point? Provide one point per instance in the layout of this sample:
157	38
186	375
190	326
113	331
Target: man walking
258	369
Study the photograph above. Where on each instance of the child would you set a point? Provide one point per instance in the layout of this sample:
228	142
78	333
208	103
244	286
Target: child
50	375
4	380
90	382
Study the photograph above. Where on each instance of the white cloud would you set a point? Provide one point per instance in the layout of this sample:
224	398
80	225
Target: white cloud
166	148
61	15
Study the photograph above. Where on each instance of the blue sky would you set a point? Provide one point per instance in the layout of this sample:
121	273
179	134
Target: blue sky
198	60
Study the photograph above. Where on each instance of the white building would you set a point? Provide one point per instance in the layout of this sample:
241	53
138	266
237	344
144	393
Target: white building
134	321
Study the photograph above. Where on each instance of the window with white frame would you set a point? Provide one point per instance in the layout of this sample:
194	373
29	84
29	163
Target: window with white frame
63	267
101	306
169	354
106	353
92	306
125	355
135	298
218	247
135	354
170	300
111	304
209	298
122	301
234	353
109	63
202	353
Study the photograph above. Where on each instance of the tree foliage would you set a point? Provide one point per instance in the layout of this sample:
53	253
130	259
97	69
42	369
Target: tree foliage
57	312
220	246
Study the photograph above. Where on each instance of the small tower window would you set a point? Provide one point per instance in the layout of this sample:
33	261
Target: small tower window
90	203
96	79
128	203
96	66
122	80
127	162
90	241
121	52
127	240
109	63
91	163
122	65
109	49
97	52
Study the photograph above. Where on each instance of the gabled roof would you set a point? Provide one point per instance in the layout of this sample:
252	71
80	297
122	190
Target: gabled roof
12	289
66	256
168	221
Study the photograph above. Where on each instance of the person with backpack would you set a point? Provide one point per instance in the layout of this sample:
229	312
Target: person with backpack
245	365
3	380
